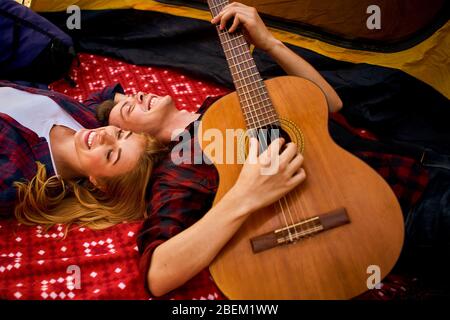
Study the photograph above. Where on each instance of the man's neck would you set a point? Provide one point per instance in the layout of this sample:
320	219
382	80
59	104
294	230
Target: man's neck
177	121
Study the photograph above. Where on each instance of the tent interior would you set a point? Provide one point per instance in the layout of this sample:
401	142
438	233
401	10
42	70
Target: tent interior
394	82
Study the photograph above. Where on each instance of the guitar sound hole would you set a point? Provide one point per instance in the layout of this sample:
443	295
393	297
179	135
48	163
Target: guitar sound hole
269	133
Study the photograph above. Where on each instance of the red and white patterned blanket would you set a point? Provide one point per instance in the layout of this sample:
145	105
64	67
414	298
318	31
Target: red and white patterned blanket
44	265
39	265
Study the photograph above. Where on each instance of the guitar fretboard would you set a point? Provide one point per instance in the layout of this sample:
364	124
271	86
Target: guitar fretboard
254	99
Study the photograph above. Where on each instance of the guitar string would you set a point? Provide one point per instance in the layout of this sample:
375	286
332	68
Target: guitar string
252	117
255	120
230	40
294	193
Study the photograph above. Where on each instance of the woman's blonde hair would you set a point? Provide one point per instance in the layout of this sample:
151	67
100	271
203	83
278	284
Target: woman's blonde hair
49	201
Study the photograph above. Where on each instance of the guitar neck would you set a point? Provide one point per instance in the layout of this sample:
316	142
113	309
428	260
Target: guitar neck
254	99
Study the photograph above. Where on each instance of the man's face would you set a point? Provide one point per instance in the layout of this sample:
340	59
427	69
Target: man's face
141	112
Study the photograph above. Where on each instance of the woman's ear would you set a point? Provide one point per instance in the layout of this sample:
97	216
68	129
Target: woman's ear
97	184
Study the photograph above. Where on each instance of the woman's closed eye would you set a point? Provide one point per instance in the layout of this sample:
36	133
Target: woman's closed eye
108	154
119	135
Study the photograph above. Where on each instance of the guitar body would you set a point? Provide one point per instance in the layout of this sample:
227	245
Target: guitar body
333	264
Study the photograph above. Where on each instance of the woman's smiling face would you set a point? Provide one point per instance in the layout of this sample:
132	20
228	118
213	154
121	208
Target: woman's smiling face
107	151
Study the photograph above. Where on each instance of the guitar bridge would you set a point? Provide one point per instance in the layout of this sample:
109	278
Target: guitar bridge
300	230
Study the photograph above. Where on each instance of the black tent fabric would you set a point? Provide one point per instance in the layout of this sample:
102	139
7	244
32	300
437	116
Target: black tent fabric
409	117
343	22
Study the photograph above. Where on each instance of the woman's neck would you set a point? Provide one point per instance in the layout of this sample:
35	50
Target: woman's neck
63	151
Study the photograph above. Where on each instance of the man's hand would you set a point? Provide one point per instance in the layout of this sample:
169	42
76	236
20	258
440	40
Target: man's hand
257	34
258	187
254	29
180	258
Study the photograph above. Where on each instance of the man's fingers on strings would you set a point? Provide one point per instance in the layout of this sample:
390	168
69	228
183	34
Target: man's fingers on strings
289	152
222	15
297	178
275	147
253	150
235	5
271	153
295	164
226	14
235	24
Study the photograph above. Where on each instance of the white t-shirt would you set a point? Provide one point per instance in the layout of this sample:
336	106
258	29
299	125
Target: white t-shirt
35	112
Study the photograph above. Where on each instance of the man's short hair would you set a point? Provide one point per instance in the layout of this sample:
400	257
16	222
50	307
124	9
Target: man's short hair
103	111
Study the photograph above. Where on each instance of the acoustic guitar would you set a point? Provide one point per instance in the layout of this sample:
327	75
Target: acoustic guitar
329	238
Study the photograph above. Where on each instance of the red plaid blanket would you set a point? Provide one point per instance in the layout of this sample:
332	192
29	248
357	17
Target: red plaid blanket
103	264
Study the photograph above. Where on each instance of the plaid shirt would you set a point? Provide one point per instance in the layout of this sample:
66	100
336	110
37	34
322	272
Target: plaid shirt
20	147
181	194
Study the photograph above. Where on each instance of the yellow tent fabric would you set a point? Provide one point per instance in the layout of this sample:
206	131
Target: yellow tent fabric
428	61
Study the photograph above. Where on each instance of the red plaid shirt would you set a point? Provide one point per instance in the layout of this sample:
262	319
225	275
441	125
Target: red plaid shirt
20	147
181	194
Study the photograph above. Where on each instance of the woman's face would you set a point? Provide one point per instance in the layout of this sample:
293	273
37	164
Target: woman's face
141	112
107	151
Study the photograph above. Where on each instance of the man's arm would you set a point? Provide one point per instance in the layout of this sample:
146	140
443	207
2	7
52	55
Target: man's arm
257	34
178	259
293	64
